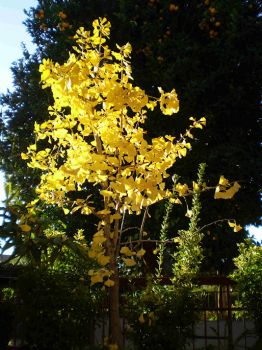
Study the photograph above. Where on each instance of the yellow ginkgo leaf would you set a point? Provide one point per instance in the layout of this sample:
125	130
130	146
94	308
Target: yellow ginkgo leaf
66	211
24	156
182	152
196	186
169	103
103	212
203	121
86	210
109	283
91	272
141	318
238	228
223	181
151	105
175	200
140	253
25	227
228	193
45	74
106	193
234	225
92	253
32	147
182	189
189	213
129	262
231	223
96	278
126	251
98	238
116	216
103	260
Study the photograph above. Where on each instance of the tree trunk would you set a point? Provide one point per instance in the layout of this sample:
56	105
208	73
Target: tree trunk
115	330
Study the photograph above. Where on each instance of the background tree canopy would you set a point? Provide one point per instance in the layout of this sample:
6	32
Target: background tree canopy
208	50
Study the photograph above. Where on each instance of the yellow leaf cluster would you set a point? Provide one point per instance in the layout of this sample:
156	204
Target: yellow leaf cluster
129	262
235	226
126	251
98	276
141	253
101	139
97	249
224	190
96	135
109	283
181	189
130	253
169	103
25	227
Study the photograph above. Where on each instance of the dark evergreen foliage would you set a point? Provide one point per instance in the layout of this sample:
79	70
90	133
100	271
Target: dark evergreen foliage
210	51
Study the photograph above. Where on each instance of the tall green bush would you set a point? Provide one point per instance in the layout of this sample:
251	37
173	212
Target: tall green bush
55	310
53	307
161	317
248	275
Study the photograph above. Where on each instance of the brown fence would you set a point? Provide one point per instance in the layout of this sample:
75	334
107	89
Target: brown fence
220	323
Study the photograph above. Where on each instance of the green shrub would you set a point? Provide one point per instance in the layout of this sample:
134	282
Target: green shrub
6	317
161	317
248	276
55	310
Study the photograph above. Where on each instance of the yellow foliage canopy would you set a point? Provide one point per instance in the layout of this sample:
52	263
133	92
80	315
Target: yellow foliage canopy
100	138
95	134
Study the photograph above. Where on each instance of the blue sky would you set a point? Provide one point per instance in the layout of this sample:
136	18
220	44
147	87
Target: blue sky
12	34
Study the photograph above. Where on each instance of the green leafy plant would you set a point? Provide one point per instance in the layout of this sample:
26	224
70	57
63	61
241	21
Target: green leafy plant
6	316
248	275
55	307
161	317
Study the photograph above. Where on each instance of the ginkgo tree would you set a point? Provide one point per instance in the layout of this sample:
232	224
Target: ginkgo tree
95	135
